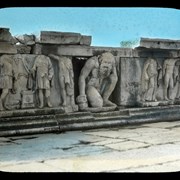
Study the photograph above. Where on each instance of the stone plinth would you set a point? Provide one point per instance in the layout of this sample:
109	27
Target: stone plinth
5	35
51	37
85	40
160	43
7	48
69	50
23	49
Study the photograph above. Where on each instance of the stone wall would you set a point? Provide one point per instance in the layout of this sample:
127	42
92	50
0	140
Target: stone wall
129	64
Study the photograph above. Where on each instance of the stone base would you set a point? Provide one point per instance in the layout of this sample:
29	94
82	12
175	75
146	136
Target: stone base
148	103
69	109
177	101
48	120
166	103
103	109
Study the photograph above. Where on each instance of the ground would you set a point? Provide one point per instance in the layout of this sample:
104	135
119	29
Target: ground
151	147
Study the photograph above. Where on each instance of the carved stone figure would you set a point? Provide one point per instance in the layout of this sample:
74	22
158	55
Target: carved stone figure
97	81
66	79
22	74
6	79
43	72
176	76
149	80
168	68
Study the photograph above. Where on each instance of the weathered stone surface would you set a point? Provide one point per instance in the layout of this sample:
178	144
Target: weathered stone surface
5	35
122	52
127	91
27	99
69	50
75	51
148	104
66	81
160	43
37	49
85	40
97	81
23	49
26	39
7	48
51	37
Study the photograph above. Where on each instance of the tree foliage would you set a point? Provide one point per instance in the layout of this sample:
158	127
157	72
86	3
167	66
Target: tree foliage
129	43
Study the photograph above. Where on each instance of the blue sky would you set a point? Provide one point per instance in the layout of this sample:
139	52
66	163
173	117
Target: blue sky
107	26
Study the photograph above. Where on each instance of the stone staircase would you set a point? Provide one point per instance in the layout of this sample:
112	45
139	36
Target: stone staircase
55	120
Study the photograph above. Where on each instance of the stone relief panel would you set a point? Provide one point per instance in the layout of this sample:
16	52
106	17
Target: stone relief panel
168	70
176	76
43	73
6	79
97	81
129	81
66	81
150	80
31	82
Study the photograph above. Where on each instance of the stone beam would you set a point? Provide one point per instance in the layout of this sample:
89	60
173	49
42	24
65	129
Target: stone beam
68	50
5	35
51	37
7	48
160	43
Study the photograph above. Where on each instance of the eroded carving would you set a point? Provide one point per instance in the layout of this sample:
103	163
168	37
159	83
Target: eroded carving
97	81
149	80
66	80
43	73
6	79
168	69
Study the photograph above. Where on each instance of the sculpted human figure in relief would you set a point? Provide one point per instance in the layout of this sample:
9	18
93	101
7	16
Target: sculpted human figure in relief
97	81
43	73
149	80
6	79
168	69
66	79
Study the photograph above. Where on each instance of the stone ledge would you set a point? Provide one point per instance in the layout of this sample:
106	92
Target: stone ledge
60	122
160	43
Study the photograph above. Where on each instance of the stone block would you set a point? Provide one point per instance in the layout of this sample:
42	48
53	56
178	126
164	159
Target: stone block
160	43
7	48
127	90
69	50
122	52
75	51
85	40
37	49
51	37
5	35
23	49
27	99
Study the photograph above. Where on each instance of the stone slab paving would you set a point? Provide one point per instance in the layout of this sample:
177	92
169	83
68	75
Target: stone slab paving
123	146
163	124
125	149
108	141
161	167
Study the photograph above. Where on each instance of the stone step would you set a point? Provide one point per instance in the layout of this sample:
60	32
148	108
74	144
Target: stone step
57	122
113	113
139	111
29	118
26	124
109	118
17	132
92	125
31	112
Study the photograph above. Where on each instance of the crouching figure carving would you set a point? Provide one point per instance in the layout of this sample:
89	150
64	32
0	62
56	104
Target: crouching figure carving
97	81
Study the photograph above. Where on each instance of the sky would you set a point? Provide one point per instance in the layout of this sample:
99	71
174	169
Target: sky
107	26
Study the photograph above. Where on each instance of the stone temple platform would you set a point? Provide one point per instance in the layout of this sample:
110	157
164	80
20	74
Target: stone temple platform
33	121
